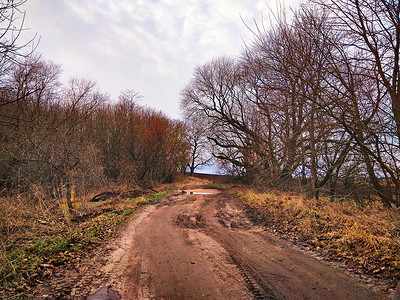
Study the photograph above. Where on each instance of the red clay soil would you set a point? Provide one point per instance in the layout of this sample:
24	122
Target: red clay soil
199	244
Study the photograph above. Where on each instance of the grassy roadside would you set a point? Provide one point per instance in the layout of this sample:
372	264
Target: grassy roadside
367	236
28	257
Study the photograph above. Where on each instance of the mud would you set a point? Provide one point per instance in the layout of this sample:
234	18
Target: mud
201	244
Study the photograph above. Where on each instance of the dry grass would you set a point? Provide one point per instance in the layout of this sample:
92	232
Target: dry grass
369	236
24	216
35	234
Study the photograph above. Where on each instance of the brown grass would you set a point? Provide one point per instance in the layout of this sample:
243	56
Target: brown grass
369	236
25	216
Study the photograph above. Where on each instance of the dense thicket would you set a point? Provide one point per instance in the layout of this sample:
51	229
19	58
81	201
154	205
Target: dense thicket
59	135
312	103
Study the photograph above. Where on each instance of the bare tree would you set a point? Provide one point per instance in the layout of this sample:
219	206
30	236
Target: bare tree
214	94
358	96
196	131
373	27
11	53
24	124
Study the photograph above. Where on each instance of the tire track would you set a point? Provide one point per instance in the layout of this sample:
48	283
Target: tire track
255	284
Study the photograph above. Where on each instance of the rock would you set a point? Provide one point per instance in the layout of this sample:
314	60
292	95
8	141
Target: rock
105	293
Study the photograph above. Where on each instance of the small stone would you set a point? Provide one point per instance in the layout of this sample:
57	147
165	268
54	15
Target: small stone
104	293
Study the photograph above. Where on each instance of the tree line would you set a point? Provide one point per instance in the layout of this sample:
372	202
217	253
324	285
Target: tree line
312	103
57	134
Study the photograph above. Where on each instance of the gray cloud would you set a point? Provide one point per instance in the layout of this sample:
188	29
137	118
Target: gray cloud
151	46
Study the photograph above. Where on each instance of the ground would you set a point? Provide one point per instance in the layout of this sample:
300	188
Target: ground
198	243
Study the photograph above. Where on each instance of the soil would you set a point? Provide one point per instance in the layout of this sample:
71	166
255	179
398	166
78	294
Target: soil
199	244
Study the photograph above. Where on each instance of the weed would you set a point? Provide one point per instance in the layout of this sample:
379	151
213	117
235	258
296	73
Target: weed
212	184
127	211
216	185
156	197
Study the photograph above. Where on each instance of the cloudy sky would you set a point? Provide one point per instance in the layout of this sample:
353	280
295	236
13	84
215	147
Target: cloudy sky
150	46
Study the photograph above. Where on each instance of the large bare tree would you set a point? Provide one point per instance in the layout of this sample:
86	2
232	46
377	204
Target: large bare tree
373	29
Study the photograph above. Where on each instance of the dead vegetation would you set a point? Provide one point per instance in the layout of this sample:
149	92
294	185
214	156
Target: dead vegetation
367	237
37	236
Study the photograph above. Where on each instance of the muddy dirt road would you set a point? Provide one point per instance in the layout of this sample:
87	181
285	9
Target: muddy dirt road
200	245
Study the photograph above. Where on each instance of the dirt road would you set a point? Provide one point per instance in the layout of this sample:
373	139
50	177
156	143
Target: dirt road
199	244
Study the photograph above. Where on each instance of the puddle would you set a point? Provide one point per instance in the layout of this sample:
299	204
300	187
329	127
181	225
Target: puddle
198	193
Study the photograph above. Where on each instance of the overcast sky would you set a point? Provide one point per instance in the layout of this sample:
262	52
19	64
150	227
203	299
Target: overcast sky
150	46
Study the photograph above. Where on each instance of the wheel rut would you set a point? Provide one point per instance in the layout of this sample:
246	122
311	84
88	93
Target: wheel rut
258	288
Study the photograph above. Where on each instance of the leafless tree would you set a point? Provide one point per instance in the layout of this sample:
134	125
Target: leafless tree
24	123
362	77
214	93
11	53
200	151
373	29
